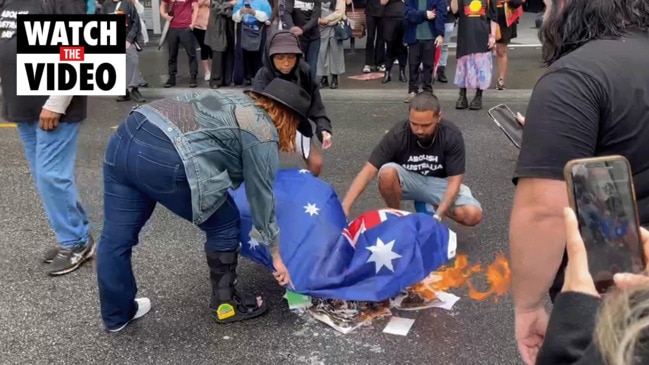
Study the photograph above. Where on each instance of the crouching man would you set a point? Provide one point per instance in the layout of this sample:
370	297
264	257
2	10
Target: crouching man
421	159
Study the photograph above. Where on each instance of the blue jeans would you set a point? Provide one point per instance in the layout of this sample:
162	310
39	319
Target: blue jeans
311	50
448	33
51	156
142	168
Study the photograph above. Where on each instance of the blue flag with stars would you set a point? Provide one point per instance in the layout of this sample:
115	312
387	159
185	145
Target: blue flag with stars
373	258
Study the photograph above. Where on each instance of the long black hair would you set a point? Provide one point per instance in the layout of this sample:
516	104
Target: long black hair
572	23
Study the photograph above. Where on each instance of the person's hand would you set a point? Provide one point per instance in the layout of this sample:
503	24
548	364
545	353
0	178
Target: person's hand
520	118
297	31
626	280
321	21
346	209
166	17
492	41
281	272
48	120
191	26
578	278
128	44
530	332
326	140
439	40
233	3
431	14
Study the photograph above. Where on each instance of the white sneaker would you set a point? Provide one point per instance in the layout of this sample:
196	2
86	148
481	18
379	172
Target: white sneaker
143	307
367	69
208	76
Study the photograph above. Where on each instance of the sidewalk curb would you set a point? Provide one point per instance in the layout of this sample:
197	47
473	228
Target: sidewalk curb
362	95
353	95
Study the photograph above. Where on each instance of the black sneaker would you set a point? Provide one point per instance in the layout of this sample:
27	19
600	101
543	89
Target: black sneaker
193	82
171	82
51	253
68	260
135	95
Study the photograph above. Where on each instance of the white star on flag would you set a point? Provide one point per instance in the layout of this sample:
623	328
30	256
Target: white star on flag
382	255
304	171
253	244
311	209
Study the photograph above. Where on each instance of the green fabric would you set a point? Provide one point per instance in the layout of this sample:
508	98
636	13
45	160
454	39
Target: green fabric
423	29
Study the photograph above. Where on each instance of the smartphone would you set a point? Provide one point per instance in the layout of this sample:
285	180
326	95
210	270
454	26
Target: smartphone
247	5
601	193
506	120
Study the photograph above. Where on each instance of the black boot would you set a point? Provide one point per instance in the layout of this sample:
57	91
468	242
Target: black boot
334	81
229	304
135	95
476	103
324	82
125	97
192	81
402	74
171	82
441	74
462	102
387	77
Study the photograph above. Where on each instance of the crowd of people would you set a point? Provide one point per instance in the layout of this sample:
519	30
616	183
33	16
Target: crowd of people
591	101
229	37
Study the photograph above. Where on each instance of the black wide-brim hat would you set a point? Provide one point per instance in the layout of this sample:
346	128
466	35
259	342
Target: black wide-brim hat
289	95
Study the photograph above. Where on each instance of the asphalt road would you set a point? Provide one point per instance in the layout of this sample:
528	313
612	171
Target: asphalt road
46	320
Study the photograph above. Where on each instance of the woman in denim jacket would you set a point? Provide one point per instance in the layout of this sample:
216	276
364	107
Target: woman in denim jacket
185	153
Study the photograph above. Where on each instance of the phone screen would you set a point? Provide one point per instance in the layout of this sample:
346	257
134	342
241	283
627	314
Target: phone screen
506	121
606	210
247	5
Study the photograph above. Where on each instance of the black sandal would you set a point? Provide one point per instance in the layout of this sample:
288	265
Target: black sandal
242	306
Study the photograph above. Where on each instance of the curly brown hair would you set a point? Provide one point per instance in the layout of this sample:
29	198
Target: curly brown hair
285	121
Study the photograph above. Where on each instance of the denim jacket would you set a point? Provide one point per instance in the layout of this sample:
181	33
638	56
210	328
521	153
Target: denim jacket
223	139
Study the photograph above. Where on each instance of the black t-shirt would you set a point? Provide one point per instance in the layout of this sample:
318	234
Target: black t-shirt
474	26
592	102
445	157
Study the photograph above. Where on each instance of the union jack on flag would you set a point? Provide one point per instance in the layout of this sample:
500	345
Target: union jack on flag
373	258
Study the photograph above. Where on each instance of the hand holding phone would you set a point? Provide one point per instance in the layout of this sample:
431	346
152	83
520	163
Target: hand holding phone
601	193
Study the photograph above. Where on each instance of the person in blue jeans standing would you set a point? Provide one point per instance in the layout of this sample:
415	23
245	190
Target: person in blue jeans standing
49	130
449	27
185	153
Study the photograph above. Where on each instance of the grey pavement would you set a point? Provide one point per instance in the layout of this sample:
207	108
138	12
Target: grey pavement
46	320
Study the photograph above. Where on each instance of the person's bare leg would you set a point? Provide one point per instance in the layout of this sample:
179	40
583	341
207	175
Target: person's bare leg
501	54
207	66
466	215
390	187
314	162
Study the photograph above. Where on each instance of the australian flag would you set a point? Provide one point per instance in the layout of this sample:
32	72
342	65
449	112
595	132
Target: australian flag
373	258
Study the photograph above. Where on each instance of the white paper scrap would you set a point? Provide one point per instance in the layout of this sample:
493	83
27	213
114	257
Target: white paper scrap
443	300
399	326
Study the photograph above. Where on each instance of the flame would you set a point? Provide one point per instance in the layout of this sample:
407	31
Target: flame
498	276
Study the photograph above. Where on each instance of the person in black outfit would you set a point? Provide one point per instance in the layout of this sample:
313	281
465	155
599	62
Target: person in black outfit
393	29
301	18
375	42
283	59
593	100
